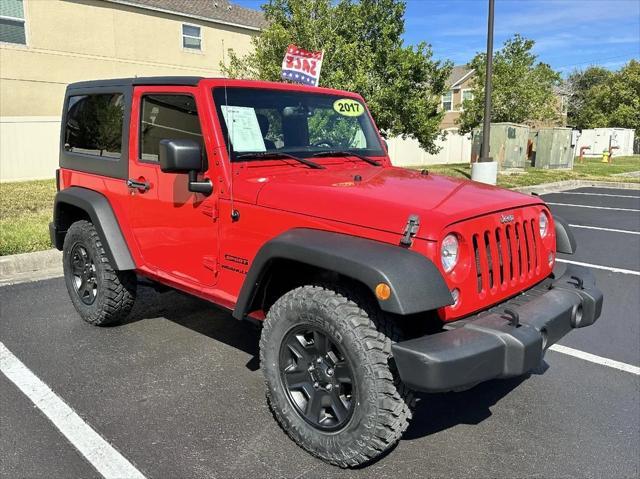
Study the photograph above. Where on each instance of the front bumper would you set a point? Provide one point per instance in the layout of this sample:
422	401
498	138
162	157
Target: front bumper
508	340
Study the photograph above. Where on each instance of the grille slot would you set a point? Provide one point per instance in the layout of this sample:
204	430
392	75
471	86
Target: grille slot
476	253
534	244
500	258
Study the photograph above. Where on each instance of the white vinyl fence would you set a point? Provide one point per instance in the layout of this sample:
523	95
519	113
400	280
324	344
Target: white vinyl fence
455	148
28	147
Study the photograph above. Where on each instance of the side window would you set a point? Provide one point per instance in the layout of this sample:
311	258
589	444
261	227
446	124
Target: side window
167	117
12	24
447	101
94	124
191	37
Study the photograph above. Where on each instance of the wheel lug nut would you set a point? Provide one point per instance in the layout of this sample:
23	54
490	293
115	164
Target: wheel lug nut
319	360
329	387
316	385
330	372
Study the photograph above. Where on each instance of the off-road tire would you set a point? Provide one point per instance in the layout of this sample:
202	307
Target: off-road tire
115	290
383	408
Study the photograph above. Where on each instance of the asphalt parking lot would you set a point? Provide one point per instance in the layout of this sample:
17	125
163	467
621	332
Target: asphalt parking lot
178	392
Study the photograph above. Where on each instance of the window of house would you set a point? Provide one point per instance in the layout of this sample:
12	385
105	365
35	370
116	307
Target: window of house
167	117
467	95
447	101
12	24
93	124
191	37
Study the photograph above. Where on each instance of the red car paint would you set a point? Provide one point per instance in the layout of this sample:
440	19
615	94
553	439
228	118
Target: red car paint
189	241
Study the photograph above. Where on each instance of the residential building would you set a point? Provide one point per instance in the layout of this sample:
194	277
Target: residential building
44	45
460	84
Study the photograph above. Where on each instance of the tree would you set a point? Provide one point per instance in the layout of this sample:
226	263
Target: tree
606	99
364	52
523	90
580	83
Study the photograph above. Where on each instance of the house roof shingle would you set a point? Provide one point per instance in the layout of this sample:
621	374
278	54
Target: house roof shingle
221	11
458	72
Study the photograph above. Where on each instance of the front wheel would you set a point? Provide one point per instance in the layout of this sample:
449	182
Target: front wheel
329	379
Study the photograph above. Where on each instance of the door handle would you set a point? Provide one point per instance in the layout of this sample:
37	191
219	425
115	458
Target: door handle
139	185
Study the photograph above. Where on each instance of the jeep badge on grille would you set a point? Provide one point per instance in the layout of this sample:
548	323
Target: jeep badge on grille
506	218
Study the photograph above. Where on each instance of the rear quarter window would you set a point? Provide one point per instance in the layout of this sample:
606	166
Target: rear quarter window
93	124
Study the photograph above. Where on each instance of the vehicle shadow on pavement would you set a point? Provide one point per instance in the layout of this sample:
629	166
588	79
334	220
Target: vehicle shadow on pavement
197	315
438	412
434	412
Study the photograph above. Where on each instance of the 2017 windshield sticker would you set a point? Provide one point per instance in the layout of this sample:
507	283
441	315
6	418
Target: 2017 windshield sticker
348	107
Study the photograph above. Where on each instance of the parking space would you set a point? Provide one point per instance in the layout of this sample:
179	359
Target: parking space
177	390
617	334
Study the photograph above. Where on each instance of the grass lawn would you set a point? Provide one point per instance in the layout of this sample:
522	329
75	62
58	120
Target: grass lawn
591	169
26	207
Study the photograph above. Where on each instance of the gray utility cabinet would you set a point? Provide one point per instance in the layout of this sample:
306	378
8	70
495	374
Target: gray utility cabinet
508	145
554	149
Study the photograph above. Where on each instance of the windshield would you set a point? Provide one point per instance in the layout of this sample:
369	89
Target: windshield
298	123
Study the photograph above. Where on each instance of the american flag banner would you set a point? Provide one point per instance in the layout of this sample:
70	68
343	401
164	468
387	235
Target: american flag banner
302	66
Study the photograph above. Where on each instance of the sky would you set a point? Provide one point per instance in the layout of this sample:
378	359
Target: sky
569	34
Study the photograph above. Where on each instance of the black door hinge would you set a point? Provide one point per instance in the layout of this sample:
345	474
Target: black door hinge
410	230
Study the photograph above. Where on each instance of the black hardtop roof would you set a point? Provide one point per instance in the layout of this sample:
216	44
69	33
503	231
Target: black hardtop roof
124	82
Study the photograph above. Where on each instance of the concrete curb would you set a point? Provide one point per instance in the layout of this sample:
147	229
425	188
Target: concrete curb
49	263
571	184
16	264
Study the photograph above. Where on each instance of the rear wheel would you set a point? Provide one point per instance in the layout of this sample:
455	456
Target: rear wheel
329	375
100	294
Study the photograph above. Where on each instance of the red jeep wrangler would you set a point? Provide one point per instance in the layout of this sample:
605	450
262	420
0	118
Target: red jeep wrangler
279	203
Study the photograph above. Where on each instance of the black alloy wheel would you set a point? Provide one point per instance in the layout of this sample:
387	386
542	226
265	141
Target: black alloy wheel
83	269
317	378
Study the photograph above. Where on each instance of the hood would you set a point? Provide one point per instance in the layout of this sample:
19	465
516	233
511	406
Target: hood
384	198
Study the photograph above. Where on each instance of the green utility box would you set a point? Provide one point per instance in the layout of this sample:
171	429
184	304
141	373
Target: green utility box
508	145
554	149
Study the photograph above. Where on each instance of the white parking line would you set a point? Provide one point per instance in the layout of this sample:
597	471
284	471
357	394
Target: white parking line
595	194
108	462
592	358
598	266
594	207
606	229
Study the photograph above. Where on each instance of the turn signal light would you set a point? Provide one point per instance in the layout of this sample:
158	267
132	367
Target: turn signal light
383	291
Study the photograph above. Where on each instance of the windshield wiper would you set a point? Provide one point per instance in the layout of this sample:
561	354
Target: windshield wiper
276	155
345	153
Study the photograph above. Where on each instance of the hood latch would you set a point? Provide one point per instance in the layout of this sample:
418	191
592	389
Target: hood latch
410	230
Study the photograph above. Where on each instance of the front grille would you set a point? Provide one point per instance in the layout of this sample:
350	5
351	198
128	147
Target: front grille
506	255
498	260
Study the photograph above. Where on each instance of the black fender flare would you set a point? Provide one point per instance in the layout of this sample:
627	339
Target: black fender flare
565	241
97	207
416	284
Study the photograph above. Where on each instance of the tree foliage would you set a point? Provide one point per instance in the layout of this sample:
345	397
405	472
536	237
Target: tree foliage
601	98
364	52
523	89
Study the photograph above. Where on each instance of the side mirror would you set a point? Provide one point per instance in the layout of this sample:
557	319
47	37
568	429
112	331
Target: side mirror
184	156
180	156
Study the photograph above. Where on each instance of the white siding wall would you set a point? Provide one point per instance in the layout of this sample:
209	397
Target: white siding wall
598	140
455	148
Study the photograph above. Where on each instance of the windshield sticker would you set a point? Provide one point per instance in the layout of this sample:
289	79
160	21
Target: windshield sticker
348	107
244	128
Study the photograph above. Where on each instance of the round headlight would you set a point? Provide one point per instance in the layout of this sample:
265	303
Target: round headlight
543	223
449	252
